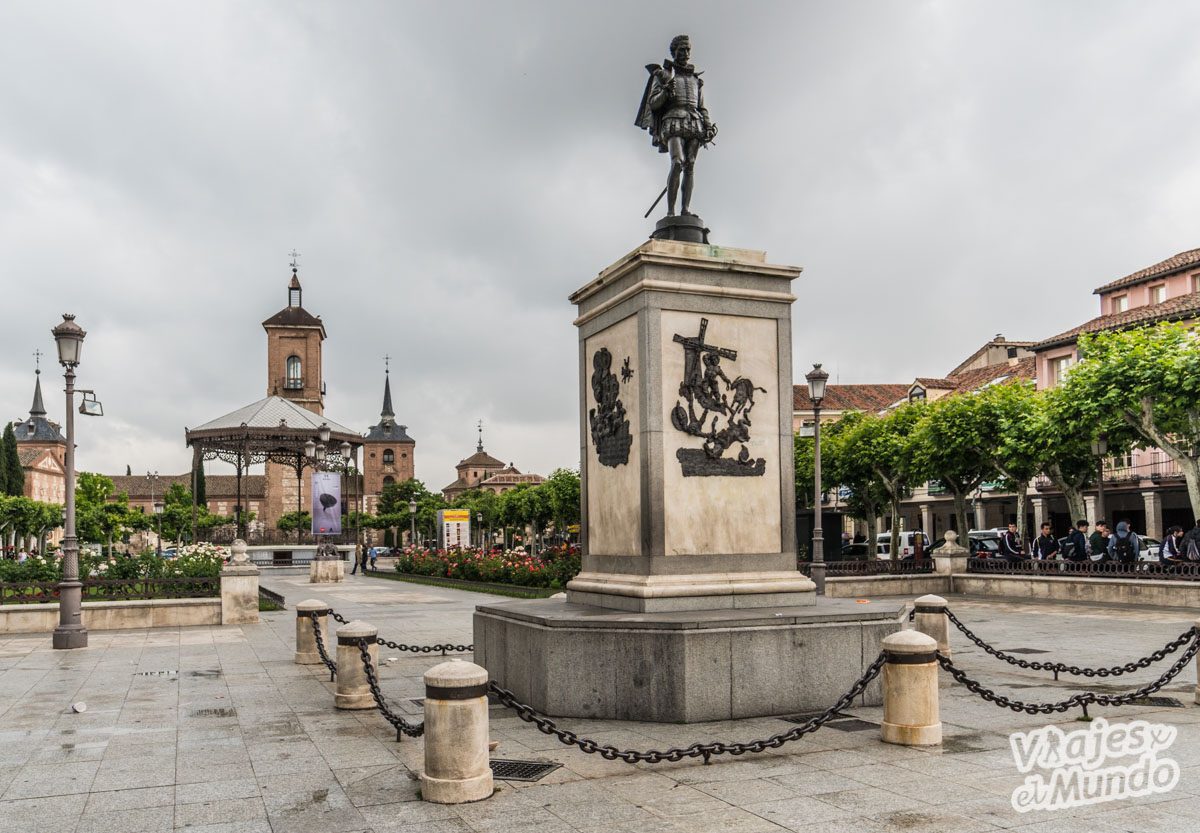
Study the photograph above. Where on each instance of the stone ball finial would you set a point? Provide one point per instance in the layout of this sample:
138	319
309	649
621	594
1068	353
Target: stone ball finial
239	550
951	537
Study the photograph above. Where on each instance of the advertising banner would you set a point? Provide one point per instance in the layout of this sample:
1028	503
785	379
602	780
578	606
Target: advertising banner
326	503
454	528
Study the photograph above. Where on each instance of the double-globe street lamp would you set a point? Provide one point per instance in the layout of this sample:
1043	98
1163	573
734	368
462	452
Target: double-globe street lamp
70	633
816	392
412	523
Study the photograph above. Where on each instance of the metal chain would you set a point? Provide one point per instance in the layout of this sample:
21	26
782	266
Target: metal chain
1057	667
696	750
1076	700
427	649
413	730
341	620
415	649
315	616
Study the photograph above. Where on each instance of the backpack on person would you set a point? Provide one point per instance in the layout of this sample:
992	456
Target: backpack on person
1125	549
1193	551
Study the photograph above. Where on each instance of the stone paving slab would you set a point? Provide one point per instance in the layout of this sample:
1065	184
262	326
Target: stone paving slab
215	730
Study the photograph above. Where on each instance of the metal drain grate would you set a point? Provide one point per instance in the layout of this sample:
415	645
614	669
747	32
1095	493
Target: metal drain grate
214	712
804	717
521	770
1162	702
163	673
1025	651
852	724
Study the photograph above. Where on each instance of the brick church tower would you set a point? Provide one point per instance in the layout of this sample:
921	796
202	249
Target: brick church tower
388	451
294	337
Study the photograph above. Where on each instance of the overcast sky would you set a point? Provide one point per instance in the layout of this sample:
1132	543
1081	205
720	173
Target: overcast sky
451	172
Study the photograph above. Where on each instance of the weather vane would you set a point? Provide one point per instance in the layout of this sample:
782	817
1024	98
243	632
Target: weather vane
37	359
386	364
480	426
294	255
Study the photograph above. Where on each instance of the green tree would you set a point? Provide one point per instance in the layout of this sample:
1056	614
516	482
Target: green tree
1064	431
1143	388
804	463
950	443
292	521
844	463
14	474
562	492
1011	416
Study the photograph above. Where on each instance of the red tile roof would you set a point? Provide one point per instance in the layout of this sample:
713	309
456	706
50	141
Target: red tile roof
1172	264
1179	308
981	377
851	397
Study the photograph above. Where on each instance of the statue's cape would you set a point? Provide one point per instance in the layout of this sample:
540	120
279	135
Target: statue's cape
647	119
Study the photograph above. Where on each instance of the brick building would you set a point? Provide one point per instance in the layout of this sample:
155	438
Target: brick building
483	471
388	451
43	450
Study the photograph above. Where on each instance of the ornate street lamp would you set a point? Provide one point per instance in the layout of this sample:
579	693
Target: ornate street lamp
816	392
70	633
412	521
158	511
479	523
1100	451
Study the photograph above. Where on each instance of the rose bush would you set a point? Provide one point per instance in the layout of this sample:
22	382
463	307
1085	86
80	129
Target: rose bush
553	569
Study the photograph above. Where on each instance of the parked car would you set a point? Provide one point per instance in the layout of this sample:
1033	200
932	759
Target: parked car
980	547
883	544
1148	549
856	552
170	552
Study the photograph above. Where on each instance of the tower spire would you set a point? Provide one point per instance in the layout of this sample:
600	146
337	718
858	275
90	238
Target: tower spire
294	292
479	447
37	409
387	415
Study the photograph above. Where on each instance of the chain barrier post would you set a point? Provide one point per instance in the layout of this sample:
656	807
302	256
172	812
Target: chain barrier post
456	734
930	619
306	641
353	688
1197	698
910	690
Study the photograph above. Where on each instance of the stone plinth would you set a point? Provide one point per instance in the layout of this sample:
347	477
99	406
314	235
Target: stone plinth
951	557
326	570
572	660
688	500
239	595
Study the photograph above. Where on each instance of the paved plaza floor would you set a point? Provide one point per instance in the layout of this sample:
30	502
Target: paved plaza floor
215	730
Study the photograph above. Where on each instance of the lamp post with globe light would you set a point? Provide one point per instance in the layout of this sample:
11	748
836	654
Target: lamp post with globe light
817	379
412	523
1100	450
70	633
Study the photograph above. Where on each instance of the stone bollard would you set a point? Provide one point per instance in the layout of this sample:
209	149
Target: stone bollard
931	620
456	734
353	691
306	640
910	690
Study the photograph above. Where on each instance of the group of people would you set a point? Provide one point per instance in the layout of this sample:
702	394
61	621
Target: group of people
20	555
1121	546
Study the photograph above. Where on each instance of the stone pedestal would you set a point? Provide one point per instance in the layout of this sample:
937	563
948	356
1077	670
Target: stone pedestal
950	558
689	606
686	432
239	588
326	570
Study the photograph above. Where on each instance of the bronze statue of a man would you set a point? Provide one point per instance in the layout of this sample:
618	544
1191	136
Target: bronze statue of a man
673	111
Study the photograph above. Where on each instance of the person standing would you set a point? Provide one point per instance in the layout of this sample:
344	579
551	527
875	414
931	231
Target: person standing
1099	541
1172	547
354	558
1080	546
1045	546
1010	544
1125	545
1191	543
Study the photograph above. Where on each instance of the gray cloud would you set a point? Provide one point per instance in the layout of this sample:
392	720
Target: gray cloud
451	172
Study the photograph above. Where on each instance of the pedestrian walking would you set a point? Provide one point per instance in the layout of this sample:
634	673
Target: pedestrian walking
1045	546
1010	544
1124	546
354	569
1079	548
374	559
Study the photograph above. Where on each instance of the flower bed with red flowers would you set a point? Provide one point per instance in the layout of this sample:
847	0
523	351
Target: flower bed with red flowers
551	569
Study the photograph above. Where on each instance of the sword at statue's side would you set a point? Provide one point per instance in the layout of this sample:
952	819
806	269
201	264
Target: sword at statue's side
656	202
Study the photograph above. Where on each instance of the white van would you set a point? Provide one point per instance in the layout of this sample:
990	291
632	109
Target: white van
883	544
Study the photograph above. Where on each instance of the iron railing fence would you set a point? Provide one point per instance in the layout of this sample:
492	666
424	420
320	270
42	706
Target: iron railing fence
872	567
1184	571
114	589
